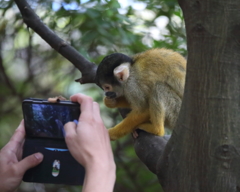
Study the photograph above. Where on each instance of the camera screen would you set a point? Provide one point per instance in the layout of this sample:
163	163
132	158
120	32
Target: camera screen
47	120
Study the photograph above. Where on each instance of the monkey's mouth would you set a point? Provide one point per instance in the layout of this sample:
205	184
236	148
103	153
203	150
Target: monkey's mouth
111	95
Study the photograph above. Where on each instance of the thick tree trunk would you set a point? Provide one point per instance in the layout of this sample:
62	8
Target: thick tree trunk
203	153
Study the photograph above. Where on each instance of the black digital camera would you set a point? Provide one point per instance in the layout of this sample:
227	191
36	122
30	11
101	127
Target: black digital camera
44	126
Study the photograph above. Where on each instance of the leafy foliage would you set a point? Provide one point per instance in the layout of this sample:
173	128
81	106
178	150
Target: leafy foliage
31	68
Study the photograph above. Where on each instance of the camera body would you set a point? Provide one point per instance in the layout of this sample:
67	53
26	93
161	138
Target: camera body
44	126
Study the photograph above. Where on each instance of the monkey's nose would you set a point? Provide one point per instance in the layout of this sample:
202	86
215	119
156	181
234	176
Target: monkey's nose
111	95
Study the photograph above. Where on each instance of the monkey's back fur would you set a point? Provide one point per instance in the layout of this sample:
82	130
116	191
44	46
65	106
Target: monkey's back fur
156	82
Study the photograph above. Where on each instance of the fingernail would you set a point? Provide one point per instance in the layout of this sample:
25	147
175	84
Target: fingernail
38	156
75	121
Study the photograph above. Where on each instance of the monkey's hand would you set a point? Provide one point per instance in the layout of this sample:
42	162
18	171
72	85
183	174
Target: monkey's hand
113	134
116	133
135	134
119	102
111	103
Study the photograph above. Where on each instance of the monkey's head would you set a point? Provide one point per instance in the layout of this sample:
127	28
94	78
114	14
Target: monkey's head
112	72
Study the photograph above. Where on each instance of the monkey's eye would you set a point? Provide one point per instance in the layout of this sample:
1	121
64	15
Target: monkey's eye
107	87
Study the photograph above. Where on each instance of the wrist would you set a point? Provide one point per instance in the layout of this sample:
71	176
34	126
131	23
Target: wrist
98	164
100	176
99	169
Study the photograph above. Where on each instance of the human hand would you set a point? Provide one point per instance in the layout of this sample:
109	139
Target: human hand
89	140
12	168
89	144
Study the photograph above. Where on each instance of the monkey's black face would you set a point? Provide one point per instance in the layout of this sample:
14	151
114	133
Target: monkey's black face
111	95
105	76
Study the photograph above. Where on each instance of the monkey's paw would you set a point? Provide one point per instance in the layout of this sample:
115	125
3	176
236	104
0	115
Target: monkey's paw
113	134
135	134
111	103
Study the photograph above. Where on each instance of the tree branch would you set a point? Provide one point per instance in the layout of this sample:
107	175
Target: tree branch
87	68
149	148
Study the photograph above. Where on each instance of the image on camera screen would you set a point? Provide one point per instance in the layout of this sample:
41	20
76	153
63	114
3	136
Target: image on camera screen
47	120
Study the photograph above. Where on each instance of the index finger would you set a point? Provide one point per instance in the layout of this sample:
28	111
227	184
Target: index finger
86	104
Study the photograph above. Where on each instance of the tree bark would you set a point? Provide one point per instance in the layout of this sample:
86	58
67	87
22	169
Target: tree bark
203	152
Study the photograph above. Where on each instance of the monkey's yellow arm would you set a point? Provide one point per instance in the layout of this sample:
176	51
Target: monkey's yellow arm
128	125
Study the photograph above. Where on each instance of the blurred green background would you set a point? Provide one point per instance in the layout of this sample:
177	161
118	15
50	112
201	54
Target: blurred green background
29	67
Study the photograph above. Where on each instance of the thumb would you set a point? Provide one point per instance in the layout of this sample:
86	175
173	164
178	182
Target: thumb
29	162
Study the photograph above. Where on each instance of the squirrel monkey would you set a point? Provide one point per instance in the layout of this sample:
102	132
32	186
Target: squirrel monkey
150	83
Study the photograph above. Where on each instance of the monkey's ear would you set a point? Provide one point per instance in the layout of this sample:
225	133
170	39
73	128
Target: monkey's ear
122	71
